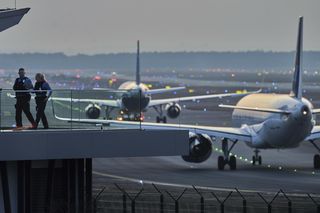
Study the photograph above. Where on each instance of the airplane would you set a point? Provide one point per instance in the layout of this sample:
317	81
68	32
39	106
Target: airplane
267	121
11	17
136	99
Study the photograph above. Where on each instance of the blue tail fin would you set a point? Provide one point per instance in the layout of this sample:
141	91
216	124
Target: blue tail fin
138	64
296	84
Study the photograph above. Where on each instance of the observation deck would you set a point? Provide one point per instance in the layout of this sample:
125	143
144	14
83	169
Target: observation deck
44	170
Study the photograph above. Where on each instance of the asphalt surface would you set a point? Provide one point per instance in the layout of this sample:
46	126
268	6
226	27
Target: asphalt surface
290	170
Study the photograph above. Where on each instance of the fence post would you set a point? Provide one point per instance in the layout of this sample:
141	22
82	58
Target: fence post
201	199
269	203
161	198
244	201
133	199
176	200
222	202
71	108
315	202
289	201
0	109
124	203
124	199
96	198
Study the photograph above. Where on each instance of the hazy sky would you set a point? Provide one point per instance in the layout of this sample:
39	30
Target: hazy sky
106	26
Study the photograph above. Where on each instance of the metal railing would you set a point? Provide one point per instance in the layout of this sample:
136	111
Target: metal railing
63	106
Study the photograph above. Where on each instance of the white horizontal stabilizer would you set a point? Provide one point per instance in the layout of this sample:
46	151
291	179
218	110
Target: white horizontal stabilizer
258	109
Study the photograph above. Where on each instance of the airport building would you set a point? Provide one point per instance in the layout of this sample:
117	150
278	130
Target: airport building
49	171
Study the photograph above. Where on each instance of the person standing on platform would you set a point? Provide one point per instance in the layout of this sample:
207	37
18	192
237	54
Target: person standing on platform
21	86
43	92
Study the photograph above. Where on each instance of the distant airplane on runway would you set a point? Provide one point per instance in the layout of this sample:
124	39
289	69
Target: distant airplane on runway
136	99
267	121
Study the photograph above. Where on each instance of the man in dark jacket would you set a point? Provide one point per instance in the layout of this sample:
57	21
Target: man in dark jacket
43	93
21	86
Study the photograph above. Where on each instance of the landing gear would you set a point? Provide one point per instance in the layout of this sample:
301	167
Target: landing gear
316	158
233	162
316	161
127	116
161	117
221	163
256	158
108	110
226	158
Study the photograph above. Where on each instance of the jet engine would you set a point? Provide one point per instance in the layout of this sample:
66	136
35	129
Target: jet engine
93	111
173	110
200	148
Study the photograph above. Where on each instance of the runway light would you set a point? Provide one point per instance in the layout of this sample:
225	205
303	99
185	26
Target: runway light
246	159
269	166
279	167
251	161
216	149
313	173
240	158
295	170
235	156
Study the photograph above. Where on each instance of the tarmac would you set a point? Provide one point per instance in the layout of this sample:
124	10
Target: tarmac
290	169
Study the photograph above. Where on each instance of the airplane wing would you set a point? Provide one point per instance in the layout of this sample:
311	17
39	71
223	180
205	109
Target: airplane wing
163	90
241	134
315	134
315	111
109	90
192	98
11	17
111	103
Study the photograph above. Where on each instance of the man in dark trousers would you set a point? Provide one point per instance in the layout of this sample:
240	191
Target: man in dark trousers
21	86
43	93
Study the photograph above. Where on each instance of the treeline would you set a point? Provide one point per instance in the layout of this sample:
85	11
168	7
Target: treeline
162	60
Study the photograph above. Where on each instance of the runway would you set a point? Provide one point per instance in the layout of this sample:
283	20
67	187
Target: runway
290	170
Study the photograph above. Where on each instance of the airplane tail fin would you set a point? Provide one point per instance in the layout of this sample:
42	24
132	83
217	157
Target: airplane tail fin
138	64
296	84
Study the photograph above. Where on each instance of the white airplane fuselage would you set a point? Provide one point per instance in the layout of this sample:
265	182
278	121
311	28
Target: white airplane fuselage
275	130
135	99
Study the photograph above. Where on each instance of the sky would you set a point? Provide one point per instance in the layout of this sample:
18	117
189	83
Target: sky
113	26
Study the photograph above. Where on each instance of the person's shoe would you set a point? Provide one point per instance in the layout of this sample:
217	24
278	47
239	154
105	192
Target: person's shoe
34	126
18	128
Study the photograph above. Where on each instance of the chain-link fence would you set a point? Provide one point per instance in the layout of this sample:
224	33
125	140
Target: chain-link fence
157	198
